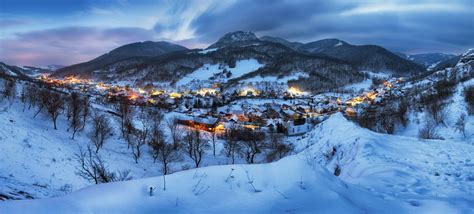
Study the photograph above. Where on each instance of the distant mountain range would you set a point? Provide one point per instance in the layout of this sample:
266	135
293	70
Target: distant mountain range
27	71
327	62
429	60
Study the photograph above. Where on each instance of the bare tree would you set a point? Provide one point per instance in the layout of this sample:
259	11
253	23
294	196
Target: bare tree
9	89
54	103
156	133
231	143
173	126
101	130
469	98
460	125
387	122
41	98
436	111
85	110
126	111
278	149
143	134
252	144
156	137
194	146
75	109
90	165
166	154
213	135
93	168
428	131
31	95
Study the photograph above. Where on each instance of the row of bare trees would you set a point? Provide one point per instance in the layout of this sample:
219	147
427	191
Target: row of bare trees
247	143
9	89
169	142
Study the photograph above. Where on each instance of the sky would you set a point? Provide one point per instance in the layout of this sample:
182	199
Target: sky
64	32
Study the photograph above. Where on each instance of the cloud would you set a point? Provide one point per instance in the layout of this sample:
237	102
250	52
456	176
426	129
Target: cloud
398	25
384	7
96	27
5	23
67	45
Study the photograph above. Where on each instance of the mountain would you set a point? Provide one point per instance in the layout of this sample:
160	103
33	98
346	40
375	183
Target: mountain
315	66
146	49
13	71
26	72
429	60
364	57
231	52
451	62
293	45
238	38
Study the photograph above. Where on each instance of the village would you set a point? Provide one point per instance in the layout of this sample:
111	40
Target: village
212	108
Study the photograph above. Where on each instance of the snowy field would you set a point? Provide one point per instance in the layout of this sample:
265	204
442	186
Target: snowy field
41	159
38	161
360	86
241	68
378	174
285	79
433	175
454	108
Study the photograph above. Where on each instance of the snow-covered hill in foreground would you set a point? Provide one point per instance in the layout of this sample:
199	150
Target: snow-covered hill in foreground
437	175
37	161
378	174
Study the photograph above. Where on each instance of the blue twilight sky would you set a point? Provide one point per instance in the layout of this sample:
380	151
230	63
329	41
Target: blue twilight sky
43	32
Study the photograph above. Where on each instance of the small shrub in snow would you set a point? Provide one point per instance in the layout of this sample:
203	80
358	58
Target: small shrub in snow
93	168
66	188
428	131
460	125
469	97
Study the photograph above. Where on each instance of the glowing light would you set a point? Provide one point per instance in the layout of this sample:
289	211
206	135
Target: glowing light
156	92
249	91
387	84
132	95
296	91
350	111
205	91
372	95
175	95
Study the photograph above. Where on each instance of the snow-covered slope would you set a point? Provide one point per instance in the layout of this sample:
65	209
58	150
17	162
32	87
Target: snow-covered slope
380	174
434	175
289	185
455	107
38	161
207	71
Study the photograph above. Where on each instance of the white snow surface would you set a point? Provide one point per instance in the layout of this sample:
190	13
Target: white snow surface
363	85
453	110
39	160
241	68
379	174
435	176
285	79
205	51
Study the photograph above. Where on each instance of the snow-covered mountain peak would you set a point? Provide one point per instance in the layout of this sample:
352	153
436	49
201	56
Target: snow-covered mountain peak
467	56
237	37
468	53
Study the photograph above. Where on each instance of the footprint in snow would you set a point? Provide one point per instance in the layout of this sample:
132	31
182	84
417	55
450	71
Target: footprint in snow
415	203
